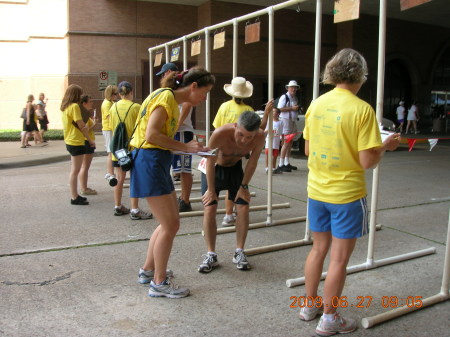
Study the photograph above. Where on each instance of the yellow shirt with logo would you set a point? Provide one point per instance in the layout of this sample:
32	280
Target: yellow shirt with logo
166	100
72	135
122	107
338	125
106	106
229	112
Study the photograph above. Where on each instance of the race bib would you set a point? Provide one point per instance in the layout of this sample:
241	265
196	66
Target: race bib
202	165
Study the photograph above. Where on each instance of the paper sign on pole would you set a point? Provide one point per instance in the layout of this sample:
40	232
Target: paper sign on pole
175	54
345	10
407	4
252	33
158	58
219	40
195	47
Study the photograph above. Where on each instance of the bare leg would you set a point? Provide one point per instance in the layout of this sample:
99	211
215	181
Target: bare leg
118	189
229	205
314	262
165	210
242	221
341	250
84	172
210	227
109	165
186	186
76	162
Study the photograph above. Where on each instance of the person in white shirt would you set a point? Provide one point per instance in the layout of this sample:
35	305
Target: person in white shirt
288	105
401	115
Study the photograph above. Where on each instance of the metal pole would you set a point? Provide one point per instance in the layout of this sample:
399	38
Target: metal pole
270	121
208	97
379	107
235	46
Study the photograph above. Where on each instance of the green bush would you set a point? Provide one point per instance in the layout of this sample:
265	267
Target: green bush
14	135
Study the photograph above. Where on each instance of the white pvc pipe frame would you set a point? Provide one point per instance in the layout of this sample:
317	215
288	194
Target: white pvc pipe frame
206	33
444	295
370	263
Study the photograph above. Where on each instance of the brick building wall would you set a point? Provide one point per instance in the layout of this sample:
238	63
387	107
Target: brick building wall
75	39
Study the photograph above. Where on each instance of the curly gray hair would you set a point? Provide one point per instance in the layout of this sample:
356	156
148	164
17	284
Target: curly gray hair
347	66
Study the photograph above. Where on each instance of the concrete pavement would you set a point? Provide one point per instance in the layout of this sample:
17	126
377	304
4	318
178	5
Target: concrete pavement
72	270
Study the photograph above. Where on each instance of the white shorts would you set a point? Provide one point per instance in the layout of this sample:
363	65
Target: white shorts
107	135
289	126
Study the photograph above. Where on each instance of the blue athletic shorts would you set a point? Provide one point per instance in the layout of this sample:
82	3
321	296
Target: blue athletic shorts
182	163
345	221
150	174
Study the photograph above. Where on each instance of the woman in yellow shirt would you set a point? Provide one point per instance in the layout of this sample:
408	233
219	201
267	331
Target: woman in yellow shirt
150	175
111	95
75	132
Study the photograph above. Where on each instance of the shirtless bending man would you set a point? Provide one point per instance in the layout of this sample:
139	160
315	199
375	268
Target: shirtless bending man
224	172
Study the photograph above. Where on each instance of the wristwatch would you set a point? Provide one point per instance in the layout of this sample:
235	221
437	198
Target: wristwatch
244	186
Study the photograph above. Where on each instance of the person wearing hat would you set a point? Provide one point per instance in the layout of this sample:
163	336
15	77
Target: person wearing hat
127	111
288	105
400	115
167	69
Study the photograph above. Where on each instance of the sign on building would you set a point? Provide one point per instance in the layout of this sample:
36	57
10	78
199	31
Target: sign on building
106	78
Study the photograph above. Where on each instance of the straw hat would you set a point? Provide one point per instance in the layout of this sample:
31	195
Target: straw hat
239	88
292	83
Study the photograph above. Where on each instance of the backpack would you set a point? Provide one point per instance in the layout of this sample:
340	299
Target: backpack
120	138
275	102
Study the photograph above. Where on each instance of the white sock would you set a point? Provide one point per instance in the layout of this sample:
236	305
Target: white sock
212	253
267	170
239	250
329	317
118	206
281	162
134	210
286	161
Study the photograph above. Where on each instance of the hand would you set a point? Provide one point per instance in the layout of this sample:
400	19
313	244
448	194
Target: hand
295	107
269	106
243	194
392	142
209	197
92	143
193	147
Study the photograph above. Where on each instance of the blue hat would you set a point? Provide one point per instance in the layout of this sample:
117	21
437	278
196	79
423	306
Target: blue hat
125	84
167	66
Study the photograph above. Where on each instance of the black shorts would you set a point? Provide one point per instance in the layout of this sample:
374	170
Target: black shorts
227	178
30	127
89	149
78	150
43	123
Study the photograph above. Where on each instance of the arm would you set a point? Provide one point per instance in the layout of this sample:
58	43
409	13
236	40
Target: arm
267	110
185	110
210	194
85	131
154	135
307	148
28	113
371	157
251	167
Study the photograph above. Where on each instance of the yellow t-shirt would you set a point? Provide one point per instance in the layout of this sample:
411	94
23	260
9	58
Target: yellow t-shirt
106	105
166	100
229	112
91	133
338	125
122	107
72	135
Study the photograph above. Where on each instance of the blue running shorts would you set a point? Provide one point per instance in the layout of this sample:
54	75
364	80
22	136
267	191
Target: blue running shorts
150	174
344	221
